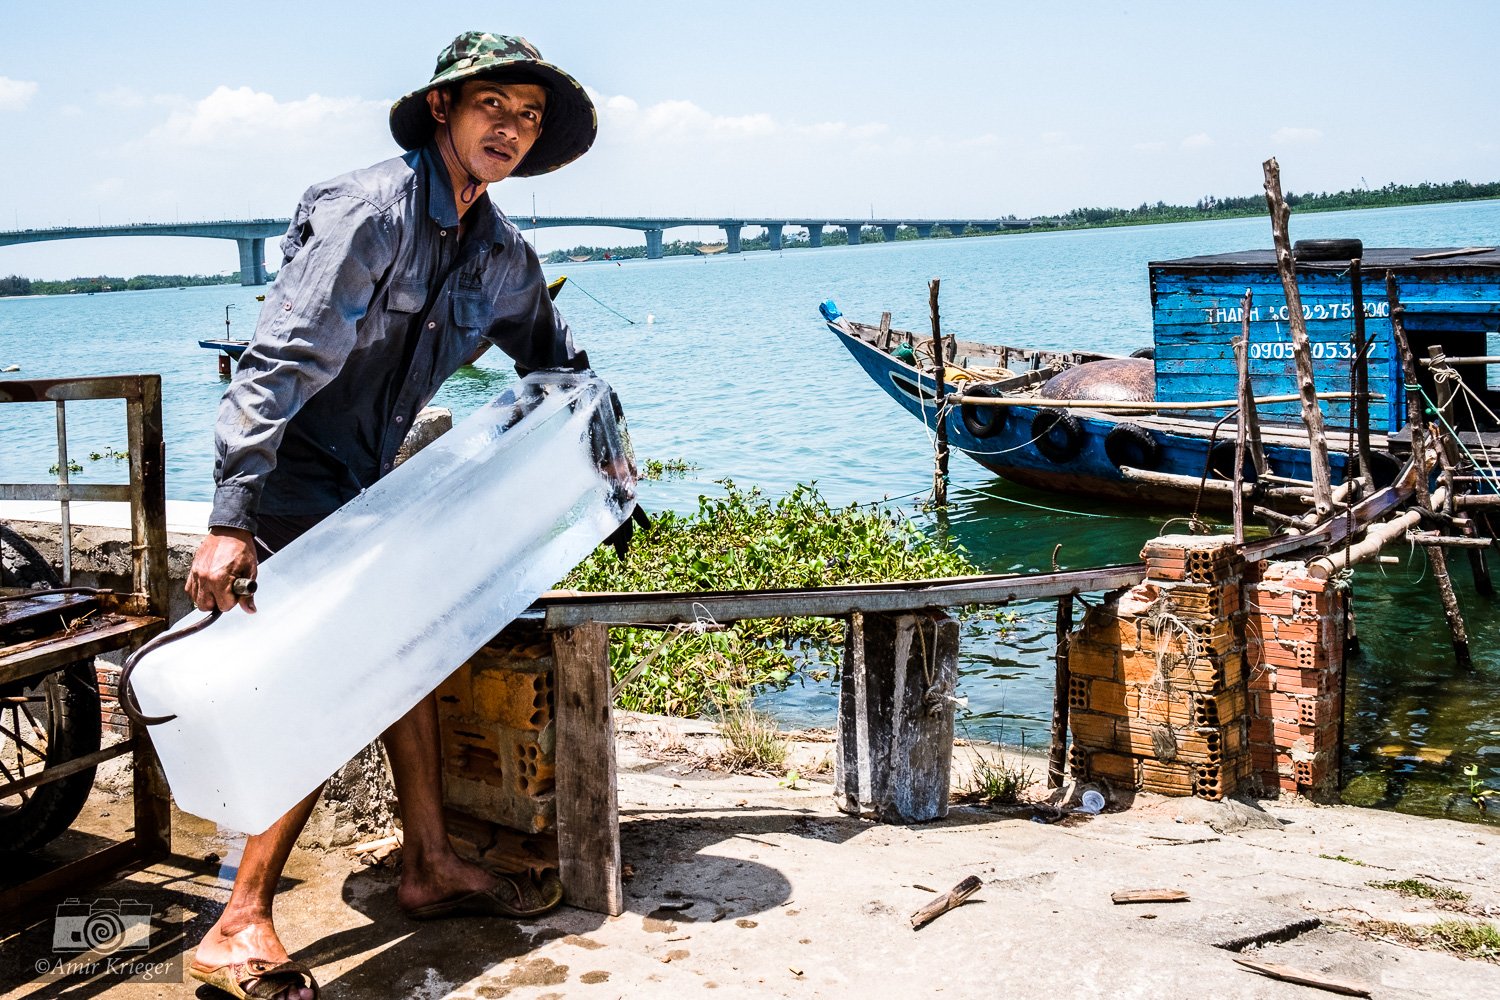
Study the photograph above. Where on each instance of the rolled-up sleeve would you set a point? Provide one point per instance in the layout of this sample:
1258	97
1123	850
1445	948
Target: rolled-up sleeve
527	325
340	246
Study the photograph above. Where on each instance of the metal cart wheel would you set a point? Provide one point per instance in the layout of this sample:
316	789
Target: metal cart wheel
44	722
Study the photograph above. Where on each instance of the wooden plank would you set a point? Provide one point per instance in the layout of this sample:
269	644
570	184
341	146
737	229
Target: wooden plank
665	608
28	659
588	812
1317	980
56	772
1148	896
894	747
153	800
72	491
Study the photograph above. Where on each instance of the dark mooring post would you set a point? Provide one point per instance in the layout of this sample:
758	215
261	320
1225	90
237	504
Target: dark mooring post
940	469
1417	420
1057	753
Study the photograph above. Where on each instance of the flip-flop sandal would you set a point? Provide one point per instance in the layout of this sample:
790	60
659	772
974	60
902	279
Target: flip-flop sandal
256	978
516	895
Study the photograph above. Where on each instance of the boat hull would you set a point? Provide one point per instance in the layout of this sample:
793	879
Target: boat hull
1083	466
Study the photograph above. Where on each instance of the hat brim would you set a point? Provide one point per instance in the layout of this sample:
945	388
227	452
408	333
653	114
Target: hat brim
569	124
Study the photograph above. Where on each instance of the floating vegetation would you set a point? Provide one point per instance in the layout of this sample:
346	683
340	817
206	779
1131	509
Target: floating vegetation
653	469
745	540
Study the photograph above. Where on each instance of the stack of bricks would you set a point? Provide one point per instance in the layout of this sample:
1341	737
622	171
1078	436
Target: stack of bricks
111	715
499	747
1156	695
1295	637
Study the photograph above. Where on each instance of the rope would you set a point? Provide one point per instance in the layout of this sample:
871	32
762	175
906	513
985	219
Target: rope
1480	469
575	284
1037	506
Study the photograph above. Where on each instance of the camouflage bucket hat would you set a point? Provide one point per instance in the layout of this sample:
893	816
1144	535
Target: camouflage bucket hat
568	125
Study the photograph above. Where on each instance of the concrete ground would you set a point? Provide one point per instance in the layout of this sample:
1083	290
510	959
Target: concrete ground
741	884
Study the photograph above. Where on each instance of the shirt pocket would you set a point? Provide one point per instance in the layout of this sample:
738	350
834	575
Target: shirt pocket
468	310
406	296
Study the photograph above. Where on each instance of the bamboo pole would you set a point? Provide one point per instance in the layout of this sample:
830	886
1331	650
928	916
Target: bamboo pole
1361	377
1452	460
1312	413
1058	752
1248	410
1418	421
1105	406
940	467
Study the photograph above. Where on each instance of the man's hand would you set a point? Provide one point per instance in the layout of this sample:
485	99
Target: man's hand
225	555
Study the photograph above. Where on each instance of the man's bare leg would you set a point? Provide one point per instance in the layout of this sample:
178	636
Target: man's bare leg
430	870
244	930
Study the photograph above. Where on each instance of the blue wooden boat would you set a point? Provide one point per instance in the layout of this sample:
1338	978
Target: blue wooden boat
233	348
1086	423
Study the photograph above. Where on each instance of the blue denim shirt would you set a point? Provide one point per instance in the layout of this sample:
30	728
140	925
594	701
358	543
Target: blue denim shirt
377	302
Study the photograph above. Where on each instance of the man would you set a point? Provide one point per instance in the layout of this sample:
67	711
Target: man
394	276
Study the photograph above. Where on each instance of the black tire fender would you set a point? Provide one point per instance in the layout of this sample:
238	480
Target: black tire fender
1132	445
1328	249
1057	433
1221	463
984	421
1144	352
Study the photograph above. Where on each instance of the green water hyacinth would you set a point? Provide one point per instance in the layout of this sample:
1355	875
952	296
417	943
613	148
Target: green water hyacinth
740	541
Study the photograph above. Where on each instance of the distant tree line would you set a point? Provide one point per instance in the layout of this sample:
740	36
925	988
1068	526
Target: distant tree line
1207	207
15	284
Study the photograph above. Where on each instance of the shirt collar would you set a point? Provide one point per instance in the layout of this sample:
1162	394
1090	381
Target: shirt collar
441	206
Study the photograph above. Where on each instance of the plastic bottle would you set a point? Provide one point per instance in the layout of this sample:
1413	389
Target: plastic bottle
367	613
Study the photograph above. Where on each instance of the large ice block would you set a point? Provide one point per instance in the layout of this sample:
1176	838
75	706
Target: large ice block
366	614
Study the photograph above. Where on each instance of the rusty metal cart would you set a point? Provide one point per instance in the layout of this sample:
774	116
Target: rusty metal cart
49	704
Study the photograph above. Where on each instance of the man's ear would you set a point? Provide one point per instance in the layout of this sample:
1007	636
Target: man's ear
437	103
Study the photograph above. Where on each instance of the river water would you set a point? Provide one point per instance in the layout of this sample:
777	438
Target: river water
727	365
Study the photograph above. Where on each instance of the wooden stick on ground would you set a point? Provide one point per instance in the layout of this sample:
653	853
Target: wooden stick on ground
1312	413
1317	980
1148	896
1417	419
954	897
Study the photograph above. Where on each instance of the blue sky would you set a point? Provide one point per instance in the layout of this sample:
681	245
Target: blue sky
157	111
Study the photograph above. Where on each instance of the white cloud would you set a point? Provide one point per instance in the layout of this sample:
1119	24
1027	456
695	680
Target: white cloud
16	94
121	97
1198	140
1291	135
245	115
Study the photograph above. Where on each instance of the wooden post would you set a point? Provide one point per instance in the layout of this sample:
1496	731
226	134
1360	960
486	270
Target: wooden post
940	469
1360	381
1249	409
1312	413
588	810
894	747
1057	753
1418	422
1452	459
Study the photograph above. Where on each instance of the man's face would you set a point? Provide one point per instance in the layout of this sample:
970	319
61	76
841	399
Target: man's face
492	125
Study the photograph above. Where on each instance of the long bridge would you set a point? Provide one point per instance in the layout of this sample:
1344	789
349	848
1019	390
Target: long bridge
251	234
